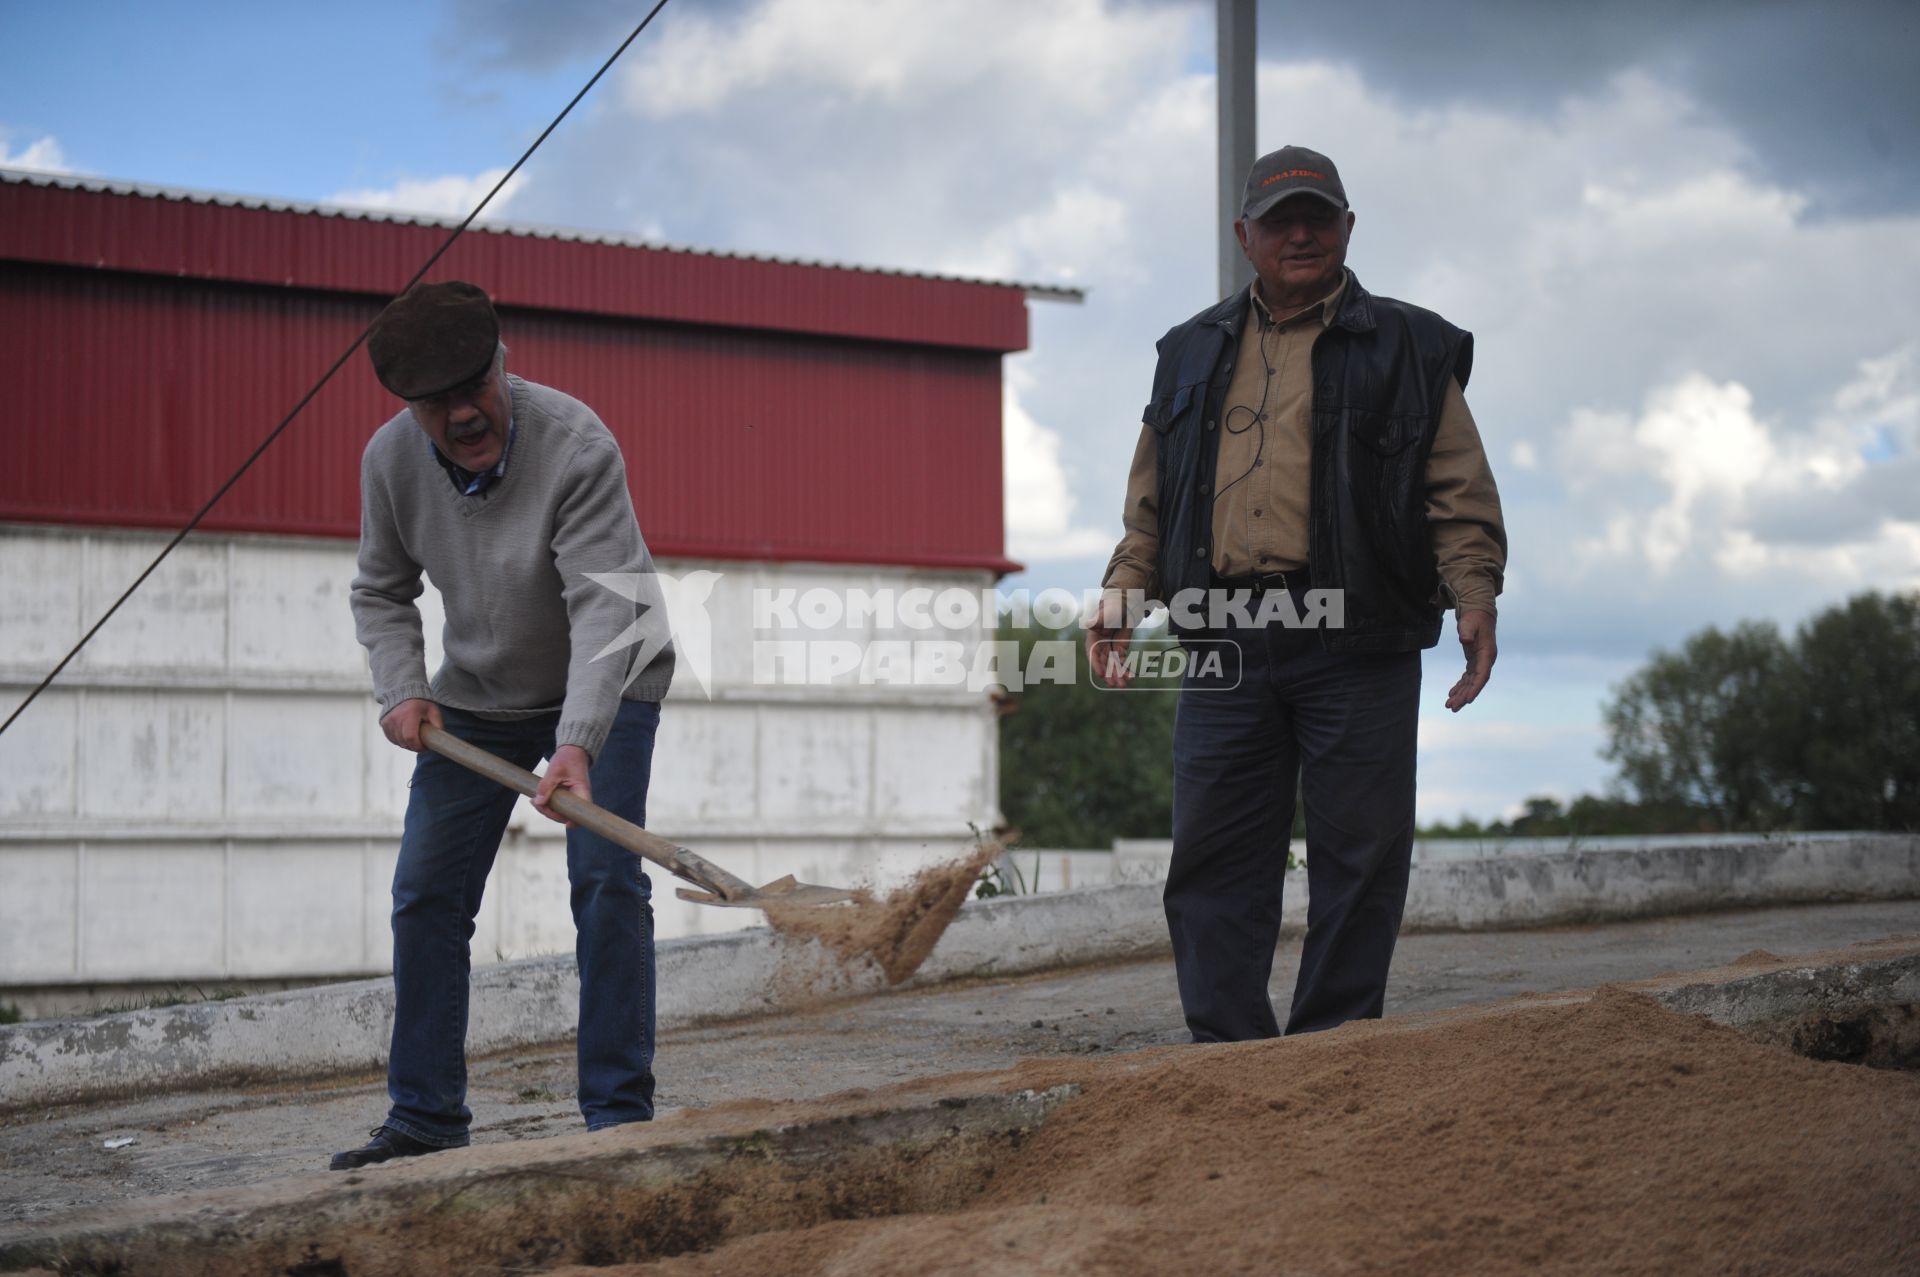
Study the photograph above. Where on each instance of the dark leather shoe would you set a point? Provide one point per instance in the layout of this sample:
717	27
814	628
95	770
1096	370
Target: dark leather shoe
385	1145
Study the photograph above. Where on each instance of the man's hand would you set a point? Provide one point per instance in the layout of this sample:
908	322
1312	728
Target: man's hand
1108	636
1476	639
402	723
567	769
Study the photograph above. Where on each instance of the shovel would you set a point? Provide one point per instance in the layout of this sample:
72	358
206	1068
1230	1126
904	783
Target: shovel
717	886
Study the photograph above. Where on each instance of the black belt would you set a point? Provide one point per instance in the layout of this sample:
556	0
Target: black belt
1298	579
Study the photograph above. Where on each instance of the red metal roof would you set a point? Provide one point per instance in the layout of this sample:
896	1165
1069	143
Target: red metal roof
198	236
146	343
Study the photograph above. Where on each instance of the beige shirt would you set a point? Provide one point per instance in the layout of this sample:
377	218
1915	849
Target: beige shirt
1261	480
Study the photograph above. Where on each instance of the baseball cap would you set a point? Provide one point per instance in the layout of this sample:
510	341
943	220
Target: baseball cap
1291	170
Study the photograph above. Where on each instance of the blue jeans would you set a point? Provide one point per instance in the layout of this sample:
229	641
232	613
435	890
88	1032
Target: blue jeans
455	820
1346	724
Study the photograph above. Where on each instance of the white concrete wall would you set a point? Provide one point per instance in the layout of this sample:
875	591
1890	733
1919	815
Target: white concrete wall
205	792
1132	861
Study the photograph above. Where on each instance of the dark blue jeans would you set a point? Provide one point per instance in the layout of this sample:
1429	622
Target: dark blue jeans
1347	725
455	820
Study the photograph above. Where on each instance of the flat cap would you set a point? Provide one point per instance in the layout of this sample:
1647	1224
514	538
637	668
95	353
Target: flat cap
432	338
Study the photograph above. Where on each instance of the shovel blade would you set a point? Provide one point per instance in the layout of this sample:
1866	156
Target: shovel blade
781	891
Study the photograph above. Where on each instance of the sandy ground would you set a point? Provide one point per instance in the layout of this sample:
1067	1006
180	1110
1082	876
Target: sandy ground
1608	1135
55	1161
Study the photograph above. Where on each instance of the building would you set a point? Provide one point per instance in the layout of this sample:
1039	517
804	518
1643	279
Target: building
204	794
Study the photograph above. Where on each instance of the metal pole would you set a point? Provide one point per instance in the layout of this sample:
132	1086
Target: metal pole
1234	22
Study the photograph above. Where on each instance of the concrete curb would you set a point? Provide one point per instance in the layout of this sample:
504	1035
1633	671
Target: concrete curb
1609	885
1799	990
338	1029
595	1191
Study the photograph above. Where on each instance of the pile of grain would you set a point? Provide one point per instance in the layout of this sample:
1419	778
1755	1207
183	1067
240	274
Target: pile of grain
1601	1136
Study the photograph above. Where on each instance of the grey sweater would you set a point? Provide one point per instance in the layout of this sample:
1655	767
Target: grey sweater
524	623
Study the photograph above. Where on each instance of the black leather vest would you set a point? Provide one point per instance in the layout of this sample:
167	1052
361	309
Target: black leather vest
1380	374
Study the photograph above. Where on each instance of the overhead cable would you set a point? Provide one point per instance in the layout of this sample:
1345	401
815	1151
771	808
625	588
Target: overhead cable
327	376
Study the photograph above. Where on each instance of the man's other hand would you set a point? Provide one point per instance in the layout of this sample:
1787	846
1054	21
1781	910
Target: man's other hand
1476	639
402	723
567	769
1108	637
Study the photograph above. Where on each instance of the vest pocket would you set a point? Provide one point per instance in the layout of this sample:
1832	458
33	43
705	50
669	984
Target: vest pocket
1382	433
1383	489
1164	413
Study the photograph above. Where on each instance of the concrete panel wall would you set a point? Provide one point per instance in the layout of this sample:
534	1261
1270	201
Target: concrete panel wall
39	908
148	906
206	793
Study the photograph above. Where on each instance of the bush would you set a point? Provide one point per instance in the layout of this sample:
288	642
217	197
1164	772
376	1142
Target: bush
1081	765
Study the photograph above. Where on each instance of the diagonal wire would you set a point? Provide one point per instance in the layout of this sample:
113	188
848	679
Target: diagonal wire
327	376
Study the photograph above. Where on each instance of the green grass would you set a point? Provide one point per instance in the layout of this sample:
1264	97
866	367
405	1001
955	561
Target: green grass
180	996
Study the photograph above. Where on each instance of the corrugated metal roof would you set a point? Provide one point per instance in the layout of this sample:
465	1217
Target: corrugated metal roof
125	226
80	182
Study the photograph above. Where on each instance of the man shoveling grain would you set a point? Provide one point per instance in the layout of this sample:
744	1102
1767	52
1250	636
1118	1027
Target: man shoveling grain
507	494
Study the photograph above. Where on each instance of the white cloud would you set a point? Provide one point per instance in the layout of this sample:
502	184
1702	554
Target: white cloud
1040	504
1884	396
450	196
1073	55
1078	230
1000	138
1596	448
1735	491
42	155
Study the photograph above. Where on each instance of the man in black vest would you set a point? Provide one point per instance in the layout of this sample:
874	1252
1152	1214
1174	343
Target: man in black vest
1307	453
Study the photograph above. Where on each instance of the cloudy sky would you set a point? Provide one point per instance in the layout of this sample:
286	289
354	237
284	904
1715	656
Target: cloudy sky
1687	238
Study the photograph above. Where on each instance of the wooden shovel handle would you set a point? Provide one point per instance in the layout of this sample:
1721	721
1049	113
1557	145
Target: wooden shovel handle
678	861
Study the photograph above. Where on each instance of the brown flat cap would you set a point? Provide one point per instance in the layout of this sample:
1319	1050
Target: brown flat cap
432	338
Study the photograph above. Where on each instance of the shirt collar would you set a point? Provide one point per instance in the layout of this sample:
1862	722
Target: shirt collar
466	481
1328	306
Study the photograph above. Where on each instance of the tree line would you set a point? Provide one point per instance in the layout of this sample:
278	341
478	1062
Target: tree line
1744	730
